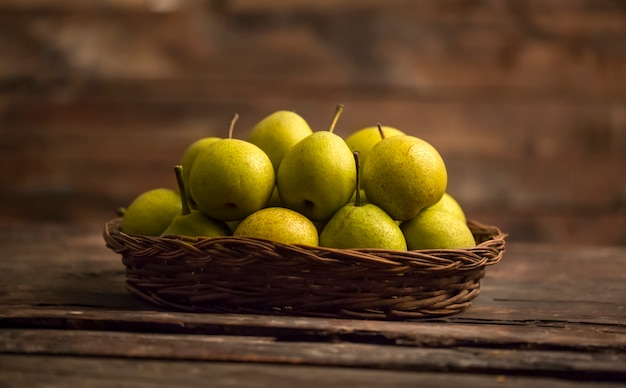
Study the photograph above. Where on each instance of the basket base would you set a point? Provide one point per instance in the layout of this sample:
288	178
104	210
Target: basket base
427	305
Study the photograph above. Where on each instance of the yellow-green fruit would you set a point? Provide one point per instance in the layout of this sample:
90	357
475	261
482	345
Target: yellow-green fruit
317	176
193	223
366	226
277	133
437	229
403	175
449	204
280	225
231	179
365	139
150	213
187	159
196	224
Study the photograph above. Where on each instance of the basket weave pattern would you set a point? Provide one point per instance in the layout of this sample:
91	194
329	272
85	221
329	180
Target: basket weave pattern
246	275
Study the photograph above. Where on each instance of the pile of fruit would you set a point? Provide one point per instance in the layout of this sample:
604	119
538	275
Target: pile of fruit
377	188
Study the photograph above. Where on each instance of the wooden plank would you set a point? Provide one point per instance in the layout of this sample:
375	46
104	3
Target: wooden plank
449	332
559	227
62	371
181	114
574	15
585	366
452	48
575	18
77	5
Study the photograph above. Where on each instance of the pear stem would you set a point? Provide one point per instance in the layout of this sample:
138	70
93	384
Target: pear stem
335	118
380	130
357	193
231	127
178	170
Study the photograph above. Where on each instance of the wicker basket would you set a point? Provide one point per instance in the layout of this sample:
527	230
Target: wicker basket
245	275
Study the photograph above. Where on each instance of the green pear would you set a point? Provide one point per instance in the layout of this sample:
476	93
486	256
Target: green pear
450	204
186	161
437	229
280	225
317	176
277	133
403	175
151	212
193	223
231	178
362	226
363	140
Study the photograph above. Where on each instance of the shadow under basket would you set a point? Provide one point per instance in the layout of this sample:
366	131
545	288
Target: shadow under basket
247	275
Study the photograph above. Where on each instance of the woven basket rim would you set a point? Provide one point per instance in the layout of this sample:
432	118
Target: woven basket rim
489	238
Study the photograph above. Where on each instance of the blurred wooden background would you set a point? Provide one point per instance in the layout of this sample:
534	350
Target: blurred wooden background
525	99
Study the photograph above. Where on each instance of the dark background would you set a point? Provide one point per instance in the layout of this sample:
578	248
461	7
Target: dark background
525	99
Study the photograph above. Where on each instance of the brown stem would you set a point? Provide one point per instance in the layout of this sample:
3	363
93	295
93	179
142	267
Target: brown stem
232	125
335	117
380	130
178	170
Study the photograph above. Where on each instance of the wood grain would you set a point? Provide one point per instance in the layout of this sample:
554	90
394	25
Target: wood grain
524	99
587	366
58	371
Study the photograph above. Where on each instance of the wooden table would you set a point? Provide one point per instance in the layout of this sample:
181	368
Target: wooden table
546	316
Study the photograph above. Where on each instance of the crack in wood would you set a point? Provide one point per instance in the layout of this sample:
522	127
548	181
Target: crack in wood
492	334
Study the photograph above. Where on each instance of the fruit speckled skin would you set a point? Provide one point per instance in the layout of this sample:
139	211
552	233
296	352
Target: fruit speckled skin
188	158
366	226
151	212
318	176
193	223
231	179
196	224
365	139
403	175
280	225
437	229
277	133
450	204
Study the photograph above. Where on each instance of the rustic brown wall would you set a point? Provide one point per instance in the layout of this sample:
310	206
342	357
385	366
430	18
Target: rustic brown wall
525	99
